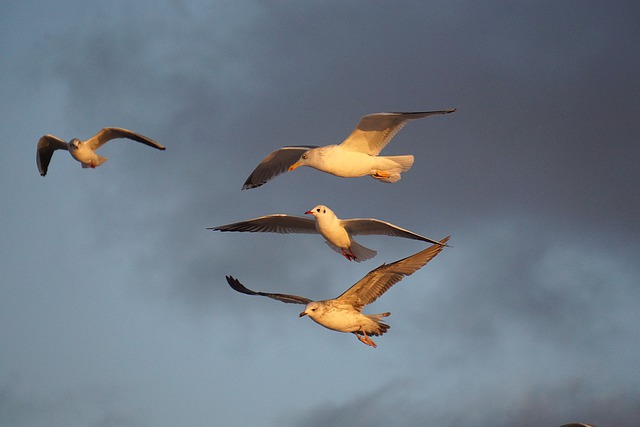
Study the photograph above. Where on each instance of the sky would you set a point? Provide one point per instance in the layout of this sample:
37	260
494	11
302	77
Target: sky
114	309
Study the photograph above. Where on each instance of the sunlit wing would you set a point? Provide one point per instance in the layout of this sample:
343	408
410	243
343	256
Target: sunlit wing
378	281
371	226
375	131
107	134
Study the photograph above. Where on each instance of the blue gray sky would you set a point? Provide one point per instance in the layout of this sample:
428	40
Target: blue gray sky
113	305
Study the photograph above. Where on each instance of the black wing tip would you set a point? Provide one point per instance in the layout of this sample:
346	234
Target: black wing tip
248	185
415	113
239	287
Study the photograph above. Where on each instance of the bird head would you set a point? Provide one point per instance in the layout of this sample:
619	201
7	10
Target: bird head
310	310
74	144
307	159
319	210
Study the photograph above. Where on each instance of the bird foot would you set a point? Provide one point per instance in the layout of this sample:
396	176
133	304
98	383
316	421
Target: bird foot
365	339
349	255
378	174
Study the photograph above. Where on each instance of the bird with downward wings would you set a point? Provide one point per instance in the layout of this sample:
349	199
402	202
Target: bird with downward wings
344	313
84	151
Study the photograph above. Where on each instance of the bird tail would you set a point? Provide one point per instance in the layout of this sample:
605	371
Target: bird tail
362	253
391	168
404	162
381	327
101	160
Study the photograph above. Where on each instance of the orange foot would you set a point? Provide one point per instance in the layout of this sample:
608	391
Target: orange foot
365	339
349	255
381	174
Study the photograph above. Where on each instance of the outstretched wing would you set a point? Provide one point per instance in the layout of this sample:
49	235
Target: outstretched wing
371	226
107	134
46	146
274	164
290	299
277	223
378	281
375	131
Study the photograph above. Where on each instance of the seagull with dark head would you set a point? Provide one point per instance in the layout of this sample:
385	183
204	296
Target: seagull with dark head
356	156
344	313
84	151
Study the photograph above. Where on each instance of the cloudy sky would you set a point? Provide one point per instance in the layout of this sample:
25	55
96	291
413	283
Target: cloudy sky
114	309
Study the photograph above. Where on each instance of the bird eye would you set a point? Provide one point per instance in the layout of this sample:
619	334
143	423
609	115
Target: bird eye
318	210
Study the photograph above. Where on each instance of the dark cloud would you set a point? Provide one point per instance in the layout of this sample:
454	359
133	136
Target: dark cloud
403	404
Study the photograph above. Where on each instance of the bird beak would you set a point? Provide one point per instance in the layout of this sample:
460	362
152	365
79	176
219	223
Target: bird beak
302	314
308	212
293	166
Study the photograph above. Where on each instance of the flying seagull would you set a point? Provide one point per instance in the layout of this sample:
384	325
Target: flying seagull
344	314
337	232
355	156
84	151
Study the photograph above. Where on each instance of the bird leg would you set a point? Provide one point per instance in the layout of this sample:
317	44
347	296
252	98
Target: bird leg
365	339
349	255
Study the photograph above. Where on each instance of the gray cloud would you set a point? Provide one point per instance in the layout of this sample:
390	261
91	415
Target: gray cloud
110	278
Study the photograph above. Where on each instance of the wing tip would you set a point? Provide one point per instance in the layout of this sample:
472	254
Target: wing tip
248	185
238	287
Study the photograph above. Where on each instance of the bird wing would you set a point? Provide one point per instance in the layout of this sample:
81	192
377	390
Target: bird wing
378	281
46	146
277	223
289	299
107	134
274	164
375	131
371	226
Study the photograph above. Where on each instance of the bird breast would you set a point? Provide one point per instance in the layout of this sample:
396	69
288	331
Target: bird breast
341	319
332	230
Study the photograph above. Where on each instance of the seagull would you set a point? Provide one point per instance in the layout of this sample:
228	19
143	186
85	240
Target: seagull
344	313
337	232
84	151
355	156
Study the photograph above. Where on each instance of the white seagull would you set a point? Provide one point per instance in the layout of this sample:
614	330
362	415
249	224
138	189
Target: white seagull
355	156
344	313
84	151
337	232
